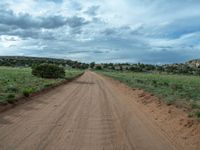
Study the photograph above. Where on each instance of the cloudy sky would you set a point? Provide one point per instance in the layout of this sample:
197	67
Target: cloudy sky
148	31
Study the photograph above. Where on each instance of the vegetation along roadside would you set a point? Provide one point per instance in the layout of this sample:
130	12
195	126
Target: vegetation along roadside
18	82
182	90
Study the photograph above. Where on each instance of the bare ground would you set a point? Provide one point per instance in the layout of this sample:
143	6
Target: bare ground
91	113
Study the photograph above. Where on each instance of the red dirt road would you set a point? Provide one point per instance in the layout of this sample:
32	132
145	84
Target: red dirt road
88	113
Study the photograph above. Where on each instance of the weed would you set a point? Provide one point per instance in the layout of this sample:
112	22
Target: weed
28	91
198	114
190	115
11	98
165	84
48	85
195	106
176	87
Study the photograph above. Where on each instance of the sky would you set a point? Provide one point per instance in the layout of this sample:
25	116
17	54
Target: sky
146	31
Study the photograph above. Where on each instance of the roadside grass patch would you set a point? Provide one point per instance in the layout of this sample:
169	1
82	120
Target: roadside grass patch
20	82
173	89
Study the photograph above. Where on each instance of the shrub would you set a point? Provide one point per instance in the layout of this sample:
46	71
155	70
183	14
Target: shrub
11	101
28	91
48	71
11	98
98	68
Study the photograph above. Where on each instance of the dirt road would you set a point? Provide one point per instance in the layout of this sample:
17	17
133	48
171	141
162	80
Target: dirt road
86	114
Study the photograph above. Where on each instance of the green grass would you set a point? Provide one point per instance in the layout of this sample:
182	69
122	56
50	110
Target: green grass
16	82
179	89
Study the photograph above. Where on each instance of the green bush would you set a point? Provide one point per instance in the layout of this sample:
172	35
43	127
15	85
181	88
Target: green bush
28	91
98	68
48	71
11	98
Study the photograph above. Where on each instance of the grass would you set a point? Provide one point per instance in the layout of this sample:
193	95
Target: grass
181	89
17	82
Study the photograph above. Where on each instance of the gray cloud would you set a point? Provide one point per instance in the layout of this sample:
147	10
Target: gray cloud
25	25
182	26
26	21
52	22
123	32
109	31
75	5
92	11
75	21
5	29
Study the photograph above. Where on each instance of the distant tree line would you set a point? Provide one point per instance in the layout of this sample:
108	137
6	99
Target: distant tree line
191	67
20	61
186	68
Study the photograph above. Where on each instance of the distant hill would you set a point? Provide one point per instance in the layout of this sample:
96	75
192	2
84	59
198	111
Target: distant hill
22	61
194	63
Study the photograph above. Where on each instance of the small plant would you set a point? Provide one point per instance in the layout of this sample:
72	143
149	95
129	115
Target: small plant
176	86
190	115
11	98
195	106
48	85
27	92
165	84
11	101
154	83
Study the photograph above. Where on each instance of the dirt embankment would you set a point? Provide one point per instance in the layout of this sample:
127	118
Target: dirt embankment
93	113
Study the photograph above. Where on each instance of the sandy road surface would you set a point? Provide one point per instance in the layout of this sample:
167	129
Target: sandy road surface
86	114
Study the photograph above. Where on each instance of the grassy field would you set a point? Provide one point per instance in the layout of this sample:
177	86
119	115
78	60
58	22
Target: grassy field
172	88
16	82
